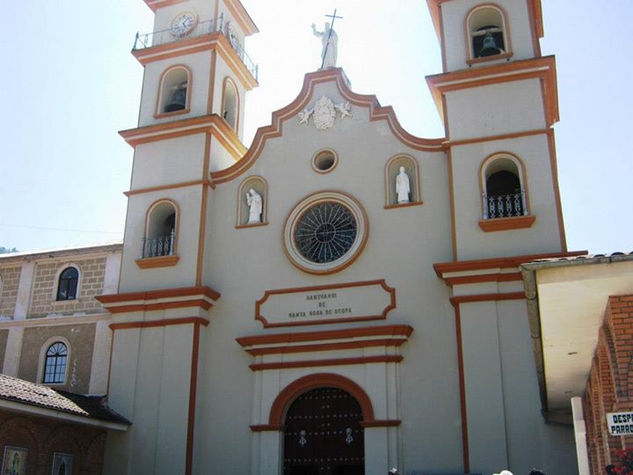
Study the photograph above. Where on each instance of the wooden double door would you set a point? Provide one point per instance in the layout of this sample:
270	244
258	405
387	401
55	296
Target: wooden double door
323	435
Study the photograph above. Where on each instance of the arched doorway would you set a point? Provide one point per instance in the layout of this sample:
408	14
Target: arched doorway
323	435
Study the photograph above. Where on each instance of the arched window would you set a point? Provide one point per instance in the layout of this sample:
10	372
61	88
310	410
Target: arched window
174	91
160	231
67	285
503	189
486	27
230	102
55	363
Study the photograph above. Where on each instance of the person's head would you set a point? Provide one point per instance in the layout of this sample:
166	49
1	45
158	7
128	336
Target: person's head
537	471
401	169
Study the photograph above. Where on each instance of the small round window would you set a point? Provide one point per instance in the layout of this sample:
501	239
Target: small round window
324	161
325	232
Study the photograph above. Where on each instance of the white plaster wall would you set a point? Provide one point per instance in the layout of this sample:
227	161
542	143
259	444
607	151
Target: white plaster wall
402	246
163	17
133	278
472	241
495	109
220	157
151	388
168	162
454	16
198	87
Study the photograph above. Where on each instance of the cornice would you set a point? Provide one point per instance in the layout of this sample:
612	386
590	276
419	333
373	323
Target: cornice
542	68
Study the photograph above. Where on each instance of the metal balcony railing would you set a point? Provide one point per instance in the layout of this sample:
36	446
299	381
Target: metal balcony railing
504	206
158	246
162	37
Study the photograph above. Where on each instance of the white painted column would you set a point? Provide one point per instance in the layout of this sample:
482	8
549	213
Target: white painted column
11	363
580	434
376	450
483	387
100	358
111	274
23	300
270	458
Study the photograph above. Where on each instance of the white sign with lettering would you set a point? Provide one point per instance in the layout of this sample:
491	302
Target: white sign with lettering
620	423
370	300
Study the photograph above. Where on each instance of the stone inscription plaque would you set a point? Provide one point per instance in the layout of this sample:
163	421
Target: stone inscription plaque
369	300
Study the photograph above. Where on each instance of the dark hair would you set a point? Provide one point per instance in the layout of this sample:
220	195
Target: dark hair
536	471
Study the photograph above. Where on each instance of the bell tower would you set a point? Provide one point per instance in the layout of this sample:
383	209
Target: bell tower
498	98
196	75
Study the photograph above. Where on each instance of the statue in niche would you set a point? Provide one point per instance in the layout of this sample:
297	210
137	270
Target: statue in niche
329	41
403	187
254	202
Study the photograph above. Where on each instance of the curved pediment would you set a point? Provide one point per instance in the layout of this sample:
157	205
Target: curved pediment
301	103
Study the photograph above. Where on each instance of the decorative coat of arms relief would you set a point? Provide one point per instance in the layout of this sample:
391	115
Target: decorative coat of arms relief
324	113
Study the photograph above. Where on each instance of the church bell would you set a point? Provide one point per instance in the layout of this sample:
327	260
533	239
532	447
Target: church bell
178	99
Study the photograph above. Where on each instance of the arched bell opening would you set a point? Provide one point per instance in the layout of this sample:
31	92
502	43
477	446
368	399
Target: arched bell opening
504	194
160	235
174	90
487	30
230	103
323	434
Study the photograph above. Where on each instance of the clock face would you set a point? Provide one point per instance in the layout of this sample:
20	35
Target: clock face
183	23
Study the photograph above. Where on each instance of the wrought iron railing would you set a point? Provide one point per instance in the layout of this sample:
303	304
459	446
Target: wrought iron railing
162	37
504	206
158	246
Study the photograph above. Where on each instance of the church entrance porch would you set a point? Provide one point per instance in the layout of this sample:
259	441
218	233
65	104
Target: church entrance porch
323	434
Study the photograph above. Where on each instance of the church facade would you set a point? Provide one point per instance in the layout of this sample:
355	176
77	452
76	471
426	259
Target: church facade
342	297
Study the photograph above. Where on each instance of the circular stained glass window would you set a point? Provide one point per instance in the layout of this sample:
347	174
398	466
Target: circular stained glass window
325	232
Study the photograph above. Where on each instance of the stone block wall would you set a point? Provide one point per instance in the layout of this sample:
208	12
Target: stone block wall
91	276
9	281
610	383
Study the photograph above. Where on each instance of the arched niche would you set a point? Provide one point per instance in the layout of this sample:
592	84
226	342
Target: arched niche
230	103
244	216
174	91
392	170
487	33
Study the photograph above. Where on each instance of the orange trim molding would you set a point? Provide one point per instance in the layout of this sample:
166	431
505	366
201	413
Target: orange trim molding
455	301
499	262
326	362
376	112
154	262
394	335
543	68
318	380
382	316
211	123
478	278
202	297
156	4
505	224
158	323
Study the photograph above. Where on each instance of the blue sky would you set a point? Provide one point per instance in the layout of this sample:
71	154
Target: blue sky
69	84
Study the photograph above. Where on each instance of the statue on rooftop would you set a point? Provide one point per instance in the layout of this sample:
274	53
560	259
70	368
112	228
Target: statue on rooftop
329	40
